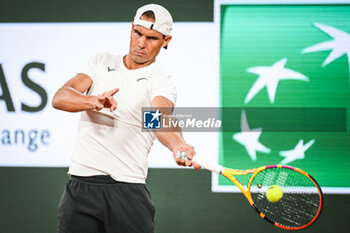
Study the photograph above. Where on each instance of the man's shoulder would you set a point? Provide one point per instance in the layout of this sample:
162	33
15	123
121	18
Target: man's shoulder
159	71
107	56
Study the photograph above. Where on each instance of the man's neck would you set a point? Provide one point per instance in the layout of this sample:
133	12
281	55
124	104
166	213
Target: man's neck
131	65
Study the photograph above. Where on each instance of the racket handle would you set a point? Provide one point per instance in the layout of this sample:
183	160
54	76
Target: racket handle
208	164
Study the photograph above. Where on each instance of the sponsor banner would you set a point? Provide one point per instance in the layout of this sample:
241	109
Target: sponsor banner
286	56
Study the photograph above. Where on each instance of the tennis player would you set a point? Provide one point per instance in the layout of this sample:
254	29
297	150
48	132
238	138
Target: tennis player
106	191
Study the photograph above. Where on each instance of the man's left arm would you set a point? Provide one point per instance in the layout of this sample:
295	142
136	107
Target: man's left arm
174	139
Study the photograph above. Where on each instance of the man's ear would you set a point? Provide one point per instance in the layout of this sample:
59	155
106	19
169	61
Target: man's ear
166	41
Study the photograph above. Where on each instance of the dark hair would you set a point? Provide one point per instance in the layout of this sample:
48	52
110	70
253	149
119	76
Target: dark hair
149	14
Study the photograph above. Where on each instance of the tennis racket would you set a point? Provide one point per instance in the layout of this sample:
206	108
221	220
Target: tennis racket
285	196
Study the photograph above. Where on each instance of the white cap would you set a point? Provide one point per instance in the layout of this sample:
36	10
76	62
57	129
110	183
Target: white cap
163	22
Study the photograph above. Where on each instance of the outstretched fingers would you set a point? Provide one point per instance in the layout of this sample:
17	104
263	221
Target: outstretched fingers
111	102
112	92
106	98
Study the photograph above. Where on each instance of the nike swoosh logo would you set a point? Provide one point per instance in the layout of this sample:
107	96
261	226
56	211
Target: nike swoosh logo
141	79
110	69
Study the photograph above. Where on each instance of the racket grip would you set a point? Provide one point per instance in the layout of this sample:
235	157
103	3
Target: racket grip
208	164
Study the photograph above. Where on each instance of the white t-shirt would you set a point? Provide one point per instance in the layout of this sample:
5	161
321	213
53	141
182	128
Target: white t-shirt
113	143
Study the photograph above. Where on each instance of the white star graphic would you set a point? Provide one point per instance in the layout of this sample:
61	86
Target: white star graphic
249	138
269	77
156	115
297	153
340	44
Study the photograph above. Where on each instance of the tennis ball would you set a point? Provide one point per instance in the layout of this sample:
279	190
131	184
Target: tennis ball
274	193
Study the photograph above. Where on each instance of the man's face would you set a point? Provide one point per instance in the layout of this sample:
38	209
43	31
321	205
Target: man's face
145	44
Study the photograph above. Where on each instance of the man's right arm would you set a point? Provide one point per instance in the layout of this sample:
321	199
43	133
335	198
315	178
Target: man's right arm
70	97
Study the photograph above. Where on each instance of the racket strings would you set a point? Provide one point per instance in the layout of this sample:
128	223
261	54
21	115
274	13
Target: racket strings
299	204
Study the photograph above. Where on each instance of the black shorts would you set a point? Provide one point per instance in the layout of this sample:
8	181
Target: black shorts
99	204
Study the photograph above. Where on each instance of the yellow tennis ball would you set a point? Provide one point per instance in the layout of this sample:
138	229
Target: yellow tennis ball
274	193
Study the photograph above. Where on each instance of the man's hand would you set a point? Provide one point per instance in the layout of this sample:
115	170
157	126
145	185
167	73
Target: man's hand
106	100
190	152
